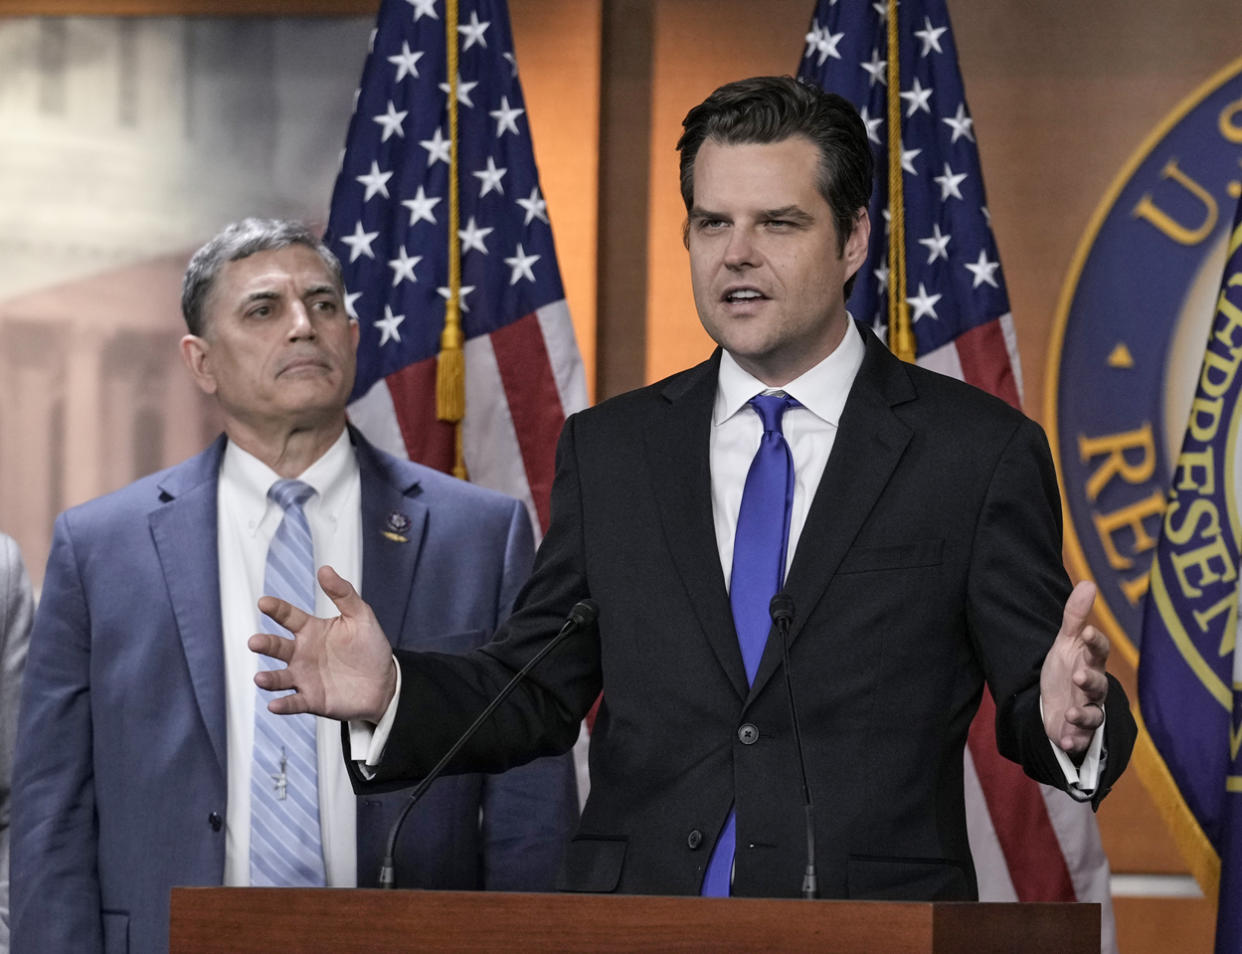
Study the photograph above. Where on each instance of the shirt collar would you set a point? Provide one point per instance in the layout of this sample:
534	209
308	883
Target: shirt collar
822	389
250	478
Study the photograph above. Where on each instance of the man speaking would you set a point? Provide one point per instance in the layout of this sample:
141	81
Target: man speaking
910	522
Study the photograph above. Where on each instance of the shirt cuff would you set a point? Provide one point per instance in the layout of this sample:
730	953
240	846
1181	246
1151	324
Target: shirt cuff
367	740
1082	779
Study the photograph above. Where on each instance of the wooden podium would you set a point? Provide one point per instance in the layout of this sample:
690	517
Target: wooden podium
335	920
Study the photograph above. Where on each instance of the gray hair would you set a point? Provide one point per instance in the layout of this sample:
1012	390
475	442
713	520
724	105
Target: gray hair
241	240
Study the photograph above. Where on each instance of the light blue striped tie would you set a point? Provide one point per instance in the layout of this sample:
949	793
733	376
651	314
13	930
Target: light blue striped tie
285	845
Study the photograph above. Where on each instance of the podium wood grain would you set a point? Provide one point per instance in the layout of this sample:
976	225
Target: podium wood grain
327	920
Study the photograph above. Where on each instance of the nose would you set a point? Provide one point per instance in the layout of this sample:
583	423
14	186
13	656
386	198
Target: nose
740	251
300	324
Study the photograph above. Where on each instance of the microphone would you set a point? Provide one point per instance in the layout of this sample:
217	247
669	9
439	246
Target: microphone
581	616
781	609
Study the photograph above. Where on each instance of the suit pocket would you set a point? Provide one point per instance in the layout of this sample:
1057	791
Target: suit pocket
901	556
592	864
906	879
115	932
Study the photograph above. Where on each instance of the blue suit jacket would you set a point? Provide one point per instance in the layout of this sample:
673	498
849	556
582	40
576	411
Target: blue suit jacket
120	785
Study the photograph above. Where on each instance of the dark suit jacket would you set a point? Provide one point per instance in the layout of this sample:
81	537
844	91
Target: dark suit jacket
120	781
930	562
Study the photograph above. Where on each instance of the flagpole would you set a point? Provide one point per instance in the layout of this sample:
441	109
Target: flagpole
451	361
900	334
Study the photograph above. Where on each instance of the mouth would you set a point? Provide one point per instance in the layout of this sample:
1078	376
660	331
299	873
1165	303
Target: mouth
308	363
741	295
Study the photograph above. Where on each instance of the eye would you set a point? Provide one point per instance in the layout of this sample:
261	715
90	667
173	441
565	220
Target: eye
260	311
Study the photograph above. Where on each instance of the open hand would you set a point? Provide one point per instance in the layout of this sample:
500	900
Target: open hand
1072	683
341	668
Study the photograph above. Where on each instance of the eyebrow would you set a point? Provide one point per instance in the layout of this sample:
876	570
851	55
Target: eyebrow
698	212
260	296
269	295
791	212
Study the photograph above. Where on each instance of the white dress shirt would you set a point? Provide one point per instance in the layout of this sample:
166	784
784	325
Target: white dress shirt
246	522
810	431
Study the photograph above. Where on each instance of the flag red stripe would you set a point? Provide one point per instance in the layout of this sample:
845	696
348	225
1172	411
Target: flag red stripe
1023	828
427	440
985	362
534	402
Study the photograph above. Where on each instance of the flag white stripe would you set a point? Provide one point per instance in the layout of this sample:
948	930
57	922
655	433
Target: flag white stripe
995	883
1079	837
558	337
375	415
489	439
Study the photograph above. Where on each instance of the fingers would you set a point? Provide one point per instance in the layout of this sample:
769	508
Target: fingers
292	704
269	644
1078	608
277	680
1088	717
341	592
1096	643
286	614
1093	683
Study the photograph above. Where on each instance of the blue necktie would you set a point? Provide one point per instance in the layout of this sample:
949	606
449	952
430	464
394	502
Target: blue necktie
285	843
758	571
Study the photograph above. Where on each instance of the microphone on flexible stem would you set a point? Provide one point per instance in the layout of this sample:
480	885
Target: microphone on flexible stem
582	615
781	610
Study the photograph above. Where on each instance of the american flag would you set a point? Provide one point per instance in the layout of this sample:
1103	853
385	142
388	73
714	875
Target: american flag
389	225
1031	843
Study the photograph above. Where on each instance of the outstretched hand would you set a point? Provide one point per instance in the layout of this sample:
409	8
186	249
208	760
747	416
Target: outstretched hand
1072	684
341	667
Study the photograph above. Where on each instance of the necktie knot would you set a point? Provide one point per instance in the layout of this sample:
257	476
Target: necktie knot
771	408
288	493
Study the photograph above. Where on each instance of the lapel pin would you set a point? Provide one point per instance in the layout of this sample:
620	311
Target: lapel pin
395	527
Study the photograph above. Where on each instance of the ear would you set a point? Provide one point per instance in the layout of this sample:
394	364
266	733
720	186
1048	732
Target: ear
195	352
354	332
857	242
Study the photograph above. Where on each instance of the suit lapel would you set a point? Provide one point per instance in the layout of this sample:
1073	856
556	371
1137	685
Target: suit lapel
393	523
183	529
869	444
678	451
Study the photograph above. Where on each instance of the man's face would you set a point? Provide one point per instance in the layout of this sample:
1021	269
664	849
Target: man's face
278	347
768	279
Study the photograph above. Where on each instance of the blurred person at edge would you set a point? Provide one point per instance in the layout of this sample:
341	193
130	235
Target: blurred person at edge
16	613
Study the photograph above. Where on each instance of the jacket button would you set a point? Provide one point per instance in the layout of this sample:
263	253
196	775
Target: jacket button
215	821
748	734
694	839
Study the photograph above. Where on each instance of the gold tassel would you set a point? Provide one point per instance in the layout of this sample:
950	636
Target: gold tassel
451	369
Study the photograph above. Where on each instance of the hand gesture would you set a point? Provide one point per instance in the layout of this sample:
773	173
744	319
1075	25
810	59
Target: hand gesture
341	667
1072	683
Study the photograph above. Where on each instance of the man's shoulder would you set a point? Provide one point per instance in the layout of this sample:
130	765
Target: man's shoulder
636	405
149	492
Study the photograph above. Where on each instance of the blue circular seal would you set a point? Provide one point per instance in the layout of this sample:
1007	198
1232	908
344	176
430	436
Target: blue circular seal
1129	339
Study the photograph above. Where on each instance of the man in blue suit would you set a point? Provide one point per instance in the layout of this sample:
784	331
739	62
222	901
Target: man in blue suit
139	761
